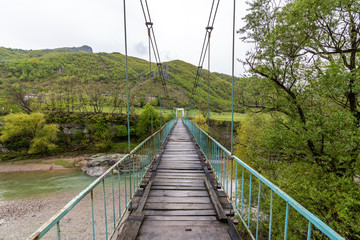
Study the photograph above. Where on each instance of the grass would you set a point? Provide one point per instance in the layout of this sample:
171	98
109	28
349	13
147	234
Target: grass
138	111
226	116
63	163
223	116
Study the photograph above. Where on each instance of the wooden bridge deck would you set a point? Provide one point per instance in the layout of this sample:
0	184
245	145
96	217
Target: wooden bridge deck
180	199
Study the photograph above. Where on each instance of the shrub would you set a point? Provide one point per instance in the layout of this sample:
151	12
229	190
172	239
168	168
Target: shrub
30	131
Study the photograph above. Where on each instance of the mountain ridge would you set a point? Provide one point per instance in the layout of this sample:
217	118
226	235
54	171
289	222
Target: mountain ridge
48	68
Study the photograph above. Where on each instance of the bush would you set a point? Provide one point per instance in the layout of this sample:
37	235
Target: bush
29	131
143	127
203	124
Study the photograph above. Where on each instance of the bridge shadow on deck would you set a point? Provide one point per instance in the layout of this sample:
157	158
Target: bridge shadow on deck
180	198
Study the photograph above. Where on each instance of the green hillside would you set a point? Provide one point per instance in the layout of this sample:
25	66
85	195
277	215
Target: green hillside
73	71
11	54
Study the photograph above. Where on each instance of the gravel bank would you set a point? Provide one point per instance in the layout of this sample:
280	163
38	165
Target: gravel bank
45	165
20	218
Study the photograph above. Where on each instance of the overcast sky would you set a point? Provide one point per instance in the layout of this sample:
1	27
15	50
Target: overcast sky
179	27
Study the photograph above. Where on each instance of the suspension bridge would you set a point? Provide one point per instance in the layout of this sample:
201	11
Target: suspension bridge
180	183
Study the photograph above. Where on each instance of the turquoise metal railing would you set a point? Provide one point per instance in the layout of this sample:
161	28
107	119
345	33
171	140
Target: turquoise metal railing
132	167
258	202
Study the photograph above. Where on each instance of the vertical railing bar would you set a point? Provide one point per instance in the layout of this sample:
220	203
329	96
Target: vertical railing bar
136	156
231	179
286	220
249	213
236	183
212	154
242	190
222	168
258	211
271	212
58	230
106	229
113	196
136	168
217	161
119	195
131	173
92	213
227	175
125	184
309	231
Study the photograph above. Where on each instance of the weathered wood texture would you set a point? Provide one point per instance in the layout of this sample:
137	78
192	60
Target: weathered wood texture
180	203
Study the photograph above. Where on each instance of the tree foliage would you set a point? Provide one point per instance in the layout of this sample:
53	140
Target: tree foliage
149	121
304	73
31	130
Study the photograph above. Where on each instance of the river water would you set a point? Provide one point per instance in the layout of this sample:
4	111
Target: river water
18	185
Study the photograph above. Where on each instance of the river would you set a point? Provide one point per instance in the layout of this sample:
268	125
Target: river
29	199
19	185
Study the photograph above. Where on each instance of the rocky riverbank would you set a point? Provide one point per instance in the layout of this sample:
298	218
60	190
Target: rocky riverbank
20	218
93	165
45	164
100	163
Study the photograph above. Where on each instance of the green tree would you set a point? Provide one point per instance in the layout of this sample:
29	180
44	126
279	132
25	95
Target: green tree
203	123
143	127
17	96
305	76
39	137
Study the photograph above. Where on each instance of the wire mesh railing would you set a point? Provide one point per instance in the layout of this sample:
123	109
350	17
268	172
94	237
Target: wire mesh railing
265	210
117	187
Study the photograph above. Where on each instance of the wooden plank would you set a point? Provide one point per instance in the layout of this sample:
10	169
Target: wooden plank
131	227
179	171
179	184
204	223
177	160
206	212
184	176
165	174
215	200
178	206
232	230
181	181
180	218
181	165
144	197
179	178
177	168
179	200
183	232
172	193
178	188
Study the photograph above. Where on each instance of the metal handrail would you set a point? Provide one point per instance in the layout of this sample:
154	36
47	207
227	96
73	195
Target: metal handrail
222	161
140	158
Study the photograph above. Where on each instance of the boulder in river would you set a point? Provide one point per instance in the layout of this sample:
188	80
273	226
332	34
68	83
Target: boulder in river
99	163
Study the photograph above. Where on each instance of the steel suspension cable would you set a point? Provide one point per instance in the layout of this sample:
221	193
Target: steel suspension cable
127	78
205	46
152	124
148	22
208	78
232	80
